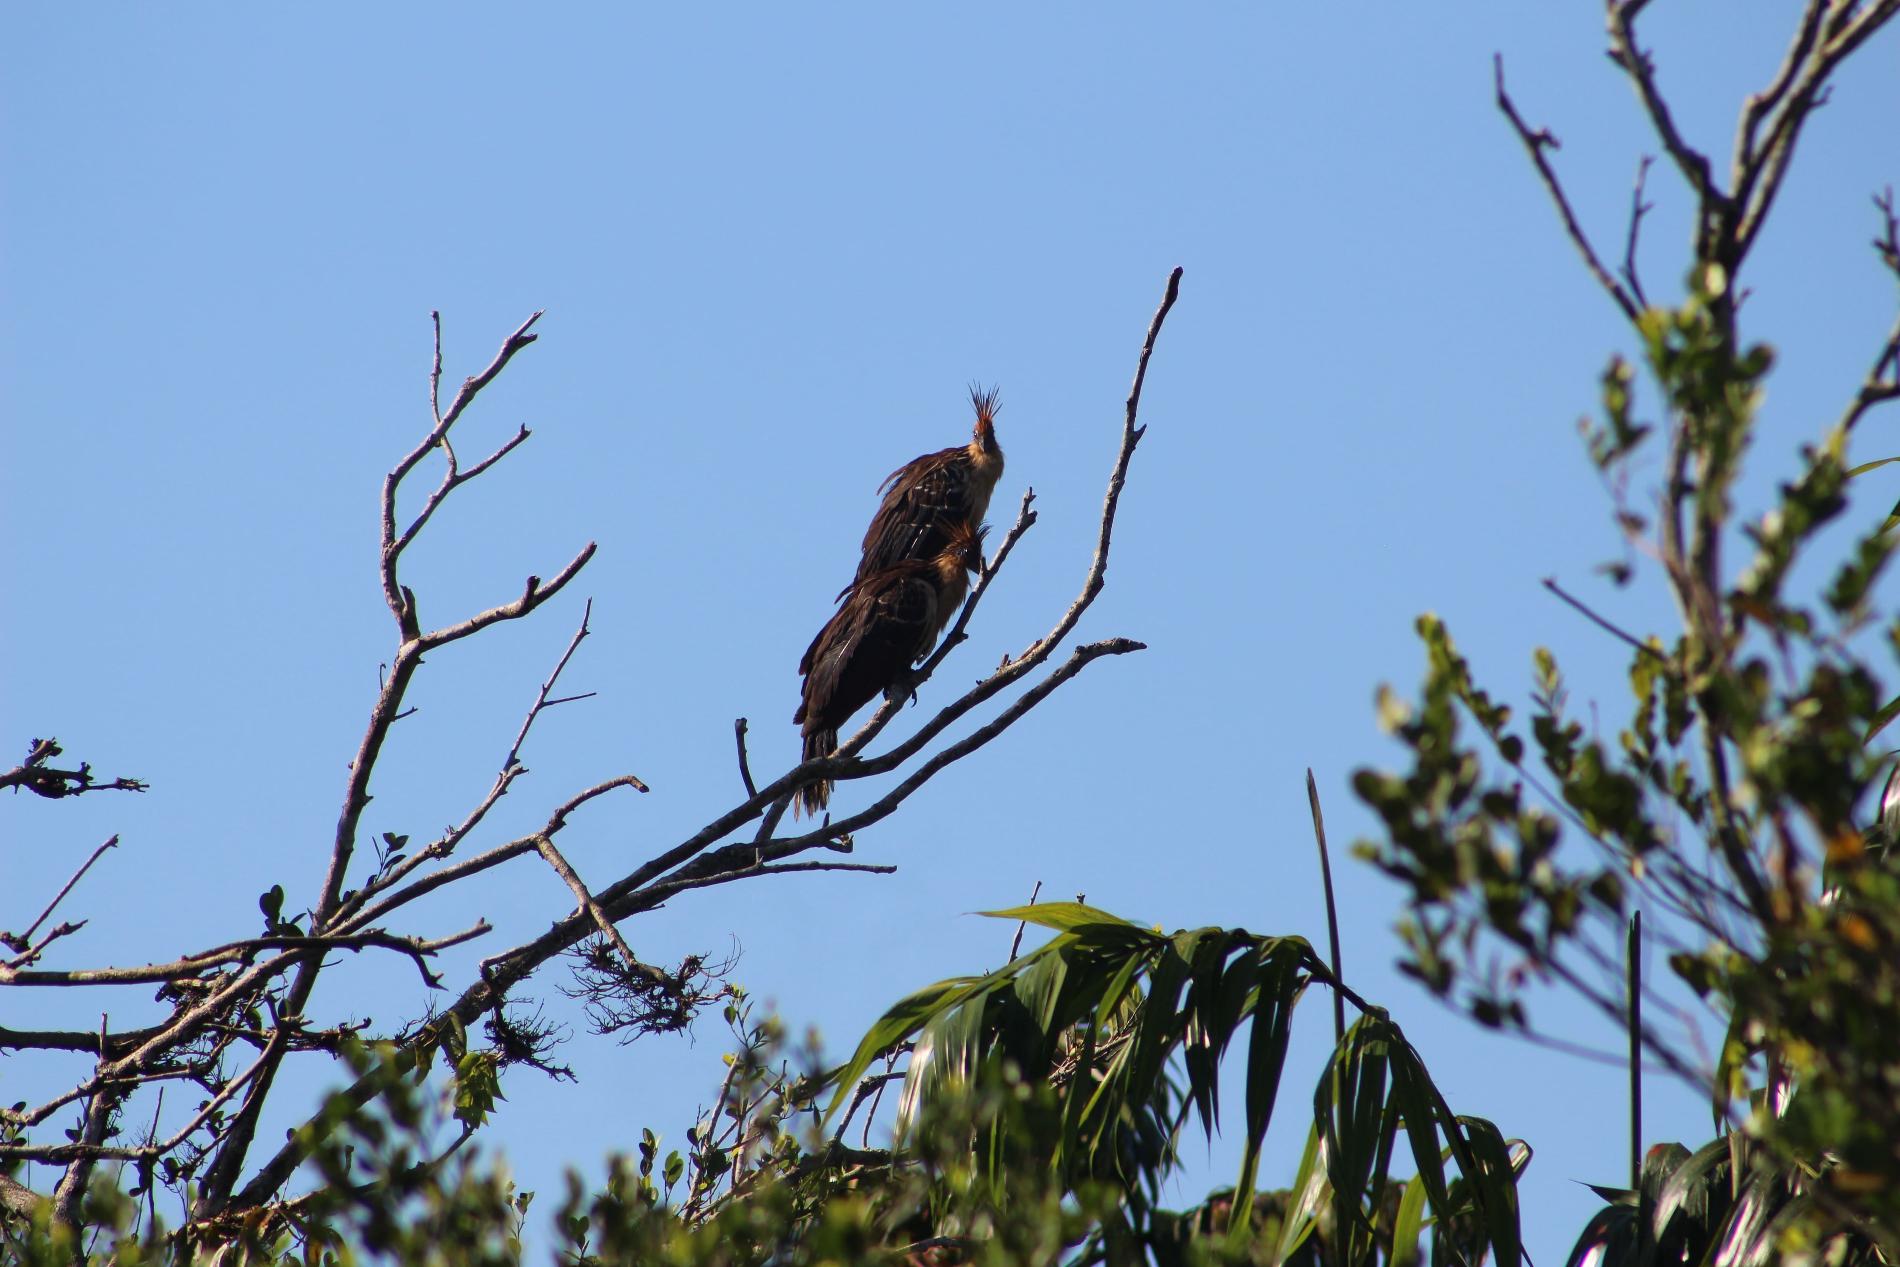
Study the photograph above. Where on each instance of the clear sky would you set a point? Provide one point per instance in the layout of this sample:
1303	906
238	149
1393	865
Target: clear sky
773	245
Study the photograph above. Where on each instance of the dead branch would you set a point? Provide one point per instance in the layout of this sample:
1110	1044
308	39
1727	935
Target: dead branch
608	929
211	991
37	777
1641	70
745	767
245	952
1638	209
1824	40
682	867
1535	143
471	387
510	769
22	943
1882	383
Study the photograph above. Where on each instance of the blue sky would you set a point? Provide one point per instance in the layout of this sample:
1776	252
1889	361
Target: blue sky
773	247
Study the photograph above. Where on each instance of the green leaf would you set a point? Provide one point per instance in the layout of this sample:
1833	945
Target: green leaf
1202	1036
1610	1237
1152	1044
1303	1199
1063	917
1888	711
1416	1097
1494	1180
1349	1105
477	1087
1409	1225
1280	986
902	1021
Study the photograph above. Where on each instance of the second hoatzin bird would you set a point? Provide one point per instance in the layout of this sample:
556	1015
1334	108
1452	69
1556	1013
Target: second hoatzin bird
929	498
888	622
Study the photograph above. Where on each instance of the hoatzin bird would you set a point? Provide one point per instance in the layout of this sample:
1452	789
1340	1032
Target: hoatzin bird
929	499
888	622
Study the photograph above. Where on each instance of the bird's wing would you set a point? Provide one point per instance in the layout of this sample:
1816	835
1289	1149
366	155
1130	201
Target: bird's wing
824	659
869	643
921	500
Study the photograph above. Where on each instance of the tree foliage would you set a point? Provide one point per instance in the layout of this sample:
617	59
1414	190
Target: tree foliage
1738	804
227	1017
1039	1119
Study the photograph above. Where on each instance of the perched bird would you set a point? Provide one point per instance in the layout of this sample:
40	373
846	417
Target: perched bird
888	622
930	498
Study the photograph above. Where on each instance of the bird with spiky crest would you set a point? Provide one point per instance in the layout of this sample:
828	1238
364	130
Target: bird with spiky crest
888	621
930	498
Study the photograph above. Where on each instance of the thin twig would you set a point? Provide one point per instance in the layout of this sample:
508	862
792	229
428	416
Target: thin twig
1760	105
533	593
745	769
1642	72
541	700
1079	659
247	950
471	387
382	716
1759	175
97	1125
1638	209
84	867
453	477
1883	379
43	780
32	952
435	369
608	929
867	1086
1535	143
1550	583
486	860
1016	942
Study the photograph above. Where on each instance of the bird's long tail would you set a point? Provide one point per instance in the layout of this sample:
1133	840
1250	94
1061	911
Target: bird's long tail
813	797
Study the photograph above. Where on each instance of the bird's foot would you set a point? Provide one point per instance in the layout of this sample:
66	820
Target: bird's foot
903	687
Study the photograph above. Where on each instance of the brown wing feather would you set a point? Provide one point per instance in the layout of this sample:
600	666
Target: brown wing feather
868	643
922	499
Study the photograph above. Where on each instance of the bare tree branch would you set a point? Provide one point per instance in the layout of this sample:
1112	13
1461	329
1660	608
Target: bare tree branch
1535	143
1883	379
21	944
1787	105
682	868
1760	105
1625	52
607	927
213	990
471	387
18	1198
1550	583
1638	209
37	777
98	1122
245	952
745	767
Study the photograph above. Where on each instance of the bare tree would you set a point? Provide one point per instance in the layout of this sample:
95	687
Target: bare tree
232	1014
